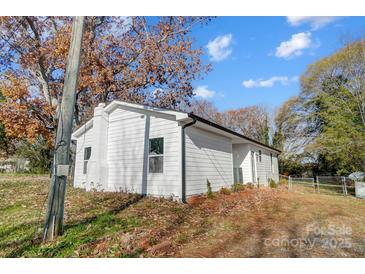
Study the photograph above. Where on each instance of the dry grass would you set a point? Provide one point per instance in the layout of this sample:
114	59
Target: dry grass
236	224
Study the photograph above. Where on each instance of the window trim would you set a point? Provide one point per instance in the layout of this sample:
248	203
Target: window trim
238	172
86	161
156	155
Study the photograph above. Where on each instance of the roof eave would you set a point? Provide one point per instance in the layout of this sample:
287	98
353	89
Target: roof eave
81	130
200	119
113	105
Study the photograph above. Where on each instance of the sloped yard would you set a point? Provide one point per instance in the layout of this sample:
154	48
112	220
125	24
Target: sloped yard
249	223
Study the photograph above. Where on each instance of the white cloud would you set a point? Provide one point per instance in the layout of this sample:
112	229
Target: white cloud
249	83
219	49
315	22
268	83
295	46
204	92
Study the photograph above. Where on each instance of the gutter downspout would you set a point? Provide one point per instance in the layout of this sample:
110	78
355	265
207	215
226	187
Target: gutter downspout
183	162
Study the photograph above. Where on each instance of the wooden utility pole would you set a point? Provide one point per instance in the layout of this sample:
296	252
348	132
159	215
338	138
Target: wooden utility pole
53	225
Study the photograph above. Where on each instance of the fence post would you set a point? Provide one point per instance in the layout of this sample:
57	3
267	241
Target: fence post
317	181
314	187
289	183
344	185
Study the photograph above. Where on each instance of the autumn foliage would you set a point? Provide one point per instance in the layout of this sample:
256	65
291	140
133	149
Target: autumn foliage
136	59
24	116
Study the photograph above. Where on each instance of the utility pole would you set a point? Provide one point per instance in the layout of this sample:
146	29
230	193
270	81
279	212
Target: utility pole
53	225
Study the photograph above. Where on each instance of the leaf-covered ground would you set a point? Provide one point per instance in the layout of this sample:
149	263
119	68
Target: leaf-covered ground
249	223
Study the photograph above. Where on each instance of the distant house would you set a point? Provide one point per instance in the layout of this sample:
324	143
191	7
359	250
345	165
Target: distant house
148	150
14	164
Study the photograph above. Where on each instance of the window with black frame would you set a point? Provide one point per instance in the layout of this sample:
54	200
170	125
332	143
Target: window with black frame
155	155
87	155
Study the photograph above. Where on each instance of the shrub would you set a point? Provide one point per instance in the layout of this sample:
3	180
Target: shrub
238	187
225	191
209	190
37	153
272	183
283	181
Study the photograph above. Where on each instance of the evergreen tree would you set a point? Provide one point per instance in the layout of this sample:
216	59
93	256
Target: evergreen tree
266	133
324	126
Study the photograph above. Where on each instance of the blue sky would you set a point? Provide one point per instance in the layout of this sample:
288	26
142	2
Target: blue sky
257	60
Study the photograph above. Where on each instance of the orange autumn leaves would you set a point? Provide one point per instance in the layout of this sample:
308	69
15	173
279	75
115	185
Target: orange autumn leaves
122	58
24	117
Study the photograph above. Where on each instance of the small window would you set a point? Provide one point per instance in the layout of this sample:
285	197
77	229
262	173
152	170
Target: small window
155	155
87	155
260	156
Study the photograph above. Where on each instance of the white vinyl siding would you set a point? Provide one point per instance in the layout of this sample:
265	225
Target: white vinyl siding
120	155
275	171
242	159
208	156
85	140
264	169
128	154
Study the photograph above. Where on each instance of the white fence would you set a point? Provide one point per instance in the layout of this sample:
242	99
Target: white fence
334	185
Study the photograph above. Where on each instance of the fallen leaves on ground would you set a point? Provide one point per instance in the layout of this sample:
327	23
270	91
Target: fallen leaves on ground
231	224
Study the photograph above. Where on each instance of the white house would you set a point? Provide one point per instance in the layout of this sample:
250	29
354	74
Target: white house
148	150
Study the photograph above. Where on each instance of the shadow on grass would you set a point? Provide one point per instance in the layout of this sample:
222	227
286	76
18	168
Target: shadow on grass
23	234
76	234
18	228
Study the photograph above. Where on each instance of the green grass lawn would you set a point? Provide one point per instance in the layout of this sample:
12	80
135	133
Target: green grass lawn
90	218
238	224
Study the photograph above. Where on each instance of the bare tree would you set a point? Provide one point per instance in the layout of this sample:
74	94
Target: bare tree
251	121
